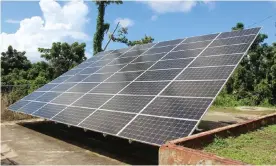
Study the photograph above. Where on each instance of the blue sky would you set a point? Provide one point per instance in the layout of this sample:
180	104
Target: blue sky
39	23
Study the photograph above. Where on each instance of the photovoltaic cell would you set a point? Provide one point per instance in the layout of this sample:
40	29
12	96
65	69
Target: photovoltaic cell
101	63
33	95
77	78
83	87
60	79
97	77
200	38
187	46
239	33
49	110
202	65
157	130
182	54
188	108
167	64
121	51
48	96
66	98
107	122
137	66
122	60
63	87
82	65
206	73
92	100
170	42
232	49
144	88
217	60
133	53
159	75
145	58
47	87
111	69
127	76
193	88
112	88
73	115
72	72
127	103
89	70
156	50
18	105
235	40
143	46
109	57
31	107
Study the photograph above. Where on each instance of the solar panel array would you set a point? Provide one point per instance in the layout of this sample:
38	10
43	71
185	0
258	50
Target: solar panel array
150	93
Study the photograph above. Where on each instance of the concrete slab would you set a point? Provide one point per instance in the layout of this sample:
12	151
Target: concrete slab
26	147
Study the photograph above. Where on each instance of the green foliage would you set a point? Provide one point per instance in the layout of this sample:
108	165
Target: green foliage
13	59
254	80
122	38
101	26
20	77
62	56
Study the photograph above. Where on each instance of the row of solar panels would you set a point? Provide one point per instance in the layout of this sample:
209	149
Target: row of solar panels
152	101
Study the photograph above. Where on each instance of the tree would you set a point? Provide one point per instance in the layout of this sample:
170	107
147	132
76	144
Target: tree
121	38
40	69
253	82
62	56
101	26
13	59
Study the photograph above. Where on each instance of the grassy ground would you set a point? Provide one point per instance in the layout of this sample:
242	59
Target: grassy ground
258	147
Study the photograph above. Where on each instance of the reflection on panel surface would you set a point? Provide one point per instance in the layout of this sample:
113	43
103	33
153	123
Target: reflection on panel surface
159	75
31	107
231	59
49	110
73	115
157	130
188	108
127	103
193	88
144	88
107	122
208	73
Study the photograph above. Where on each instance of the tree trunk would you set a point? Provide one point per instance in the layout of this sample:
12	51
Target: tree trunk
99	35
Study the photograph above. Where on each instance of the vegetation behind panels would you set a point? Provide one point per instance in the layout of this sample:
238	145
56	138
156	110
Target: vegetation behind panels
253	82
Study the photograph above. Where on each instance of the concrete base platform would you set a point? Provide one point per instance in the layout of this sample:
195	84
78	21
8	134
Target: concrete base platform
45	143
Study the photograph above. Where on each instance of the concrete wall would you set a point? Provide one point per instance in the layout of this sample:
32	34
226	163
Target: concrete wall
179	151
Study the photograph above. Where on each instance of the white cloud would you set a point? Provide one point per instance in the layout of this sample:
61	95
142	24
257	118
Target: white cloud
124	22
58	24
11	21
163	6
154	17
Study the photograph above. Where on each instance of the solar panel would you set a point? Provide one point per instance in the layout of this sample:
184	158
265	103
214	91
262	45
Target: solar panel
150	93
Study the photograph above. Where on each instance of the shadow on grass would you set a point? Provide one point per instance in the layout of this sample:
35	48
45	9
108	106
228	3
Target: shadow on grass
113	147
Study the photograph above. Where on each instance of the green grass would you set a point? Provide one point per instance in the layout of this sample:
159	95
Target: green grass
258	147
